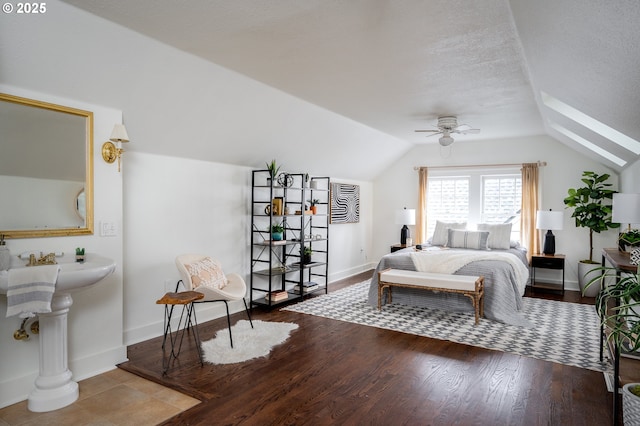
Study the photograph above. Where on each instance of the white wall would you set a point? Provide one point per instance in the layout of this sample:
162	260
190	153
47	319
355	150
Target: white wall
95	319
397	187
175	206
630	178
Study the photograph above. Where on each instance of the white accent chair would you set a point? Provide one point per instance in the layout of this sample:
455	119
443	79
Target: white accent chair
235	289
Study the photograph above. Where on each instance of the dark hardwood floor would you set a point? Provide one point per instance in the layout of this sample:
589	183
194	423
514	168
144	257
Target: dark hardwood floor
332	372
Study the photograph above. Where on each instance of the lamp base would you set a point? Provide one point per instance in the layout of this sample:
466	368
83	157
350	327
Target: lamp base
404	234
549	243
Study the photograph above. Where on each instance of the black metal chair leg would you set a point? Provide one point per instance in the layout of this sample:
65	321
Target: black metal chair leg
228	321
248	314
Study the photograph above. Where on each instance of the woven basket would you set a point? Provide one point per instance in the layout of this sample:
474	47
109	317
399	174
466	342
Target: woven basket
630	406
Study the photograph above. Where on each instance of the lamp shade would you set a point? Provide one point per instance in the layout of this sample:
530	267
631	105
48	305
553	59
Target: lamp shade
406	217
548	219
626	208
119	134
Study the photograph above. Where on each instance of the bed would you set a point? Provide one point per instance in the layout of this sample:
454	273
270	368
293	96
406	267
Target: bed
505	272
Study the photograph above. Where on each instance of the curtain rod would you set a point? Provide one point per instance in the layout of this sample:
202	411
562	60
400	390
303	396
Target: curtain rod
540	164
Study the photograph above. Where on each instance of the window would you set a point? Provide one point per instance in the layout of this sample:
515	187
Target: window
476	196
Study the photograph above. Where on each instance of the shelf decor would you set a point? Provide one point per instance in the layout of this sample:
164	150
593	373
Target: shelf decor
345	203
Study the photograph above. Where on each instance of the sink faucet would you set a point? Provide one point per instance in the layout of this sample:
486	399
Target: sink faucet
49	259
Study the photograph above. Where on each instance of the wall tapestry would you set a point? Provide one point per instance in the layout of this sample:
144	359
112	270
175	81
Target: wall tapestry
345	203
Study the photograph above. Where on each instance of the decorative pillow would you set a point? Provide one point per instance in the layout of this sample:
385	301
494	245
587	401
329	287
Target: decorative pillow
440	234
468	239
208	273
499	234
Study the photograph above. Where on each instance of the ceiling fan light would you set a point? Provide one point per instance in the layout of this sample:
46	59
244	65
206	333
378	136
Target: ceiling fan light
445	140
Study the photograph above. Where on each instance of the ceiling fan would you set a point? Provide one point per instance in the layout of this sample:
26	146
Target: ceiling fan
447	125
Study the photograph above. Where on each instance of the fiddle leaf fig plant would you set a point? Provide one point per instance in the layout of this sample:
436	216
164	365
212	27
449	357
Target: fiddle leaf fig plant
592	205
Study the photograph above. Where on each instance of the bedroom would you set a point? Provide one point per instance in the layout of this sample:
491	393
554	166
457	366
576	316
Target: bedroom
122	75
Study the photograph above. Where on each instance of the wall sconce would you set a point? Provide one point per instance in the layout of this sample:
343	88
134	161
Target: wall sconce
111	152
549	220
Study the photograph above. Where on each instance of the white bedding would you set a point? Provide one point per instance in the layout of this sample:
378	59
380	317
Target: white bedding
449	261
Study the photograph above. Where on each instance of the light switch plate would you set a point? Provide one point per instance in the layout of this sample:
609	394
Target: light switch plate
108	229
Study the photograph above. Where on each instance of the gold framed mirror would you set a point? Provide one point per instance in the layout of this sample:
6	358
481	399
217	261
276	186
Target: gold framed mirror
46	169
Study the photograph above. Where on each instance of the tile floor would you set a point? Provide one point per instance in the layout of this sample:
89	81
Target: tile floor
113	398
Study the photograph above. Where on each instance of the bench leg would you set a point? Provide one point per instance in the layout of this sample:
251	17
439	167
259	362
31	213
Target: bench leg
475	301
381	287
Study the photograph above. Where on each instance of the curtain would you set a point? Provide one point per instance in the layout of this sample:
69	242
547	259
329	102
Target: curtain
528	232
421	223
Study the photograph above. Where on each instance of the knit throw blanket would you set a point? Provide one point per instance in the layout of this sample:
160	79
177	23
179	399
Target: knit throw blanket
30	290
449	261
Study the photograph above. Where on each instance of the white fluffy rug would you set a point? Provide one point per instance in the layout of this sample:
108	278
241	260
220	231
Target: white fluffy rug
248	343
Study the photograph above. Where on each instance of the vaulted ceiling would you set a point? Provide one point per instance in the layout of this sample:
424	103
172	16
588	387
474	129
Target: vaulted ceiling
570	68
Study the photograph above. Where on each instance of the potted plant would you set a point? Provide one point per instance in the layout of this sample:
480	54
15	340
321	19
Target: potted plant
306	255
592	209
622	323
277	231
630	239
314	205
273	169
79	254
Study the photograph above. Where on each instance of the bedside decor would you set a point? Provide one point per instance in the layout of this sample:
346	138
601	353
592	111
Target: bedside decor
345	203
405	217
551	221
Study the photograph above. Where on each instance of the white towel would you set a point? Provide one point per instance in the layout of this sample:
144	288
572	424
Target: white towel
30	290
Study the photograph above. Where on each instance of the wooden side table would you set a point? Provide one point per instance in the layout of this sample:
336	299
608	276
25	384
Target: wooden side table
188	314
547	261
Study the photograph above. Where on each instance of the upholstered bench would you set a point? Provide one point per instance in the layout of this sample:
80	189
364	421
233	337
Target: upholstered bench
470	286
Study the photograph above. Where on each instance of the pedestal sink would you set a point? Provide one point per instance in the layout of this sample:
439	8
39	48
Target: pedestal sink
54	388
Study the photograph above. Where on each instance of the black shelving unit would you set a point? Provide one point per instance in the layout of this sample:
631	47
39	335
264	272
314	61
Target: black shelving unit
279	266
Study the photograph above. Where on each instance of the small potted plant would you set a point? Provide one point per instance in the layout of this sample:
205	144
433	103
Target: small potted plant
622	325
277	231
314	205
273	169
80	254
306	255
629	239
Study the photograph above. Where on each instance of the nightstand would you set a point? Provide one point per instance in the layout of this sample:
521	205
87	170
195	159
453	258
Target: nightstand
397	247
547	261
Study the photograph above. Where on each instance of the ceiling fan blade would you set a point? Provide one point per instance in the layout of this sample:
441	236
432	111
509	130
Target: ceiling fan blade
434	130
468	131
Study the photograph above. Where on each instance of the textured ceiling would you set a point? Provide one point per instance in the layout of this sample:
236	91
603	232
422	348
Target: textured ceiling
397	65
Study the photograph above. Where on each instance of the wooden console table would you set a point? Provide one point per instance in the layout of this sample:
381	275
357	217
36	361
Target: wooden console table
625	370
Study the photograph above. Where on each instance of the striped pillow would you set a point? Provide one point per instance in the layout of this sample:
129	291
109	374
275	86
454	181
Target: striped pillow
499	235
476	240
440	234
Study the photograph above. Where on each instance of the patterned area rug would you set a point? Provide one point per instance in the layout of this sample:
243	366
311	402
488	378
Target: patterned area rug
566	333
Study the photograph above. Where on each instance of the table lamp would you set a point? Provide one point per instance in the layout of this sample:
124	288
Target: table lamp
551	221
405	217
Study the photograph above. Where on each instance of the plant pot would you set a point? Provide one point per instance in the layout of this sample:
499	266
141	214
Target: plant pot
276	236
630	405
306	259
314	209
585	275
